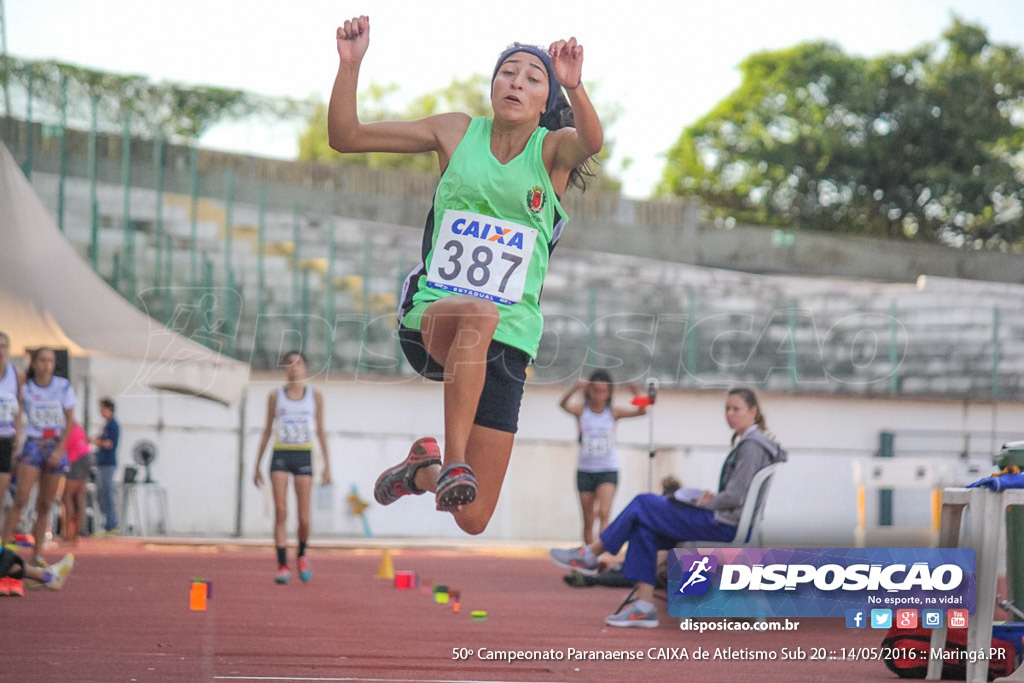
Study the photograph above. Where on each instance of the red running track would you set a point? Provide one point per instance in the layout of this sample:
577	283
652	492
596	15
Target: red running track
124	616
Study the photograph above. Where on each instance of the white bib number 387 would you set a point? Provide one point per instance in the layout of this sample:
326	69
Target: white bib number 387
481	256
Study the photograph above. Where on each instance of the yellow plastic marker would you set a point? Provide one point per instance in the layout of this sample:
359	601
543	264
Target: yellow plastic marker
386	570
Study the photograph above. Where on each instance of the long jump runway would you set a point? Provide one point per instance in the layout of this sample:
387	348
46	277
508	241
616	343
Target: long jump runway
124	615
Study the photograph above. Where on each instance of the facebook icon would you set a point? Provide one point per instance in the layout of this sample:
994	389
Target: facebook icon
856	618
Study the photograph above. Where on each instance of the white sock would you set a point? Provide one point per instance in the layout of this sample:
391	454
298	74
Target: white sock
644	606
588	555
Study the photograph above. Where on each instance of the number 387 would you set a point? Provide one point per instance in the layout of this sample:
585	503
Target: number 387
478	270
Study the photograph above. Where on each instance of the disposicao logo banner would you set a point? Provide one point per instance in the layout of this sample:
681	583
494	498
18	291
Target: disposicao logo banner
817	582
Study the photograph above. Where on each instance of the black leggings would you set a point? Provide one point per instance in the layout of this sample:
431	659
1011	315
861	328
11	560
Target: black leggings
6	451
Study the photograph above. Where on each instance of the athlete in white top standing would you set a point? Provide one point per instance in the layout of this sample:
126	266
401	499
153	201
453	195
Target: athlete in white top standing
597	472
295	413
47	402
10	387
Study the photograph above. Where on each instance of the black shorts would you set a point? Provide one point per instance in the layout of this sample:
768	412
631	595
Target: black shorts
6	453
503	385
294	462
587	482
81	469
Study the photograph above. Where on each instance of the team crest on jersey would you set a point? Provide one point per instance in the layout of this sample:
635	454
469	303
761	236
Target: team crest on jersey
536	199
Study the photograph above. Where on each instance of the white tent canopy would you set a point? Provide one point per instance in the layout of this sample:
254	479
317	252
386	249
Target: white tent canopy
50	297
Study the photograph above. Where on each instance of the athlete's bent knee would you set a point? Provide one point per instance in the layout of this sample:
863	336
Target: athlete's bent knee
473	525
477	314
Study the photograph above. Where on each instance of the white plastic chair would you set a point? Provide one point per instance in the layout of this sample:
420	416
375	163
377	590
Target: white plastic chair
748	529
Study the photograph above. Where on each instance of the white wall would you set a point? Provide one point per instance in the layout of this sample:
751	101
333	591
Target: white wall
371	423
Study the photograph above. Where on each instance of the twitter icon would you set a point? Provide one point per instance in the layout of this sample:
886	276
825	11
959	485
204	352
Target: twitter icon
881	618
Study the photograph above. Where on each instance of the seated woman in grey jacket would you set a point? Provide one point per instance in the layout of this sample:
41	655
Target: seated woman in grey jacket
652	522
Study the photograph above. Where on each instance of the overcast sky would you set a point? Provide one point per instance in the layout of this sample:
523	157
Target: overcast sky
666	63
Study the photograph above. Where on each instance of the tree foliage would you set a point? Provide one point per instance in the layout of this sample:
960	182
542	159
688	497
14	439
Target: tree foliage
378	103
172	109
923	145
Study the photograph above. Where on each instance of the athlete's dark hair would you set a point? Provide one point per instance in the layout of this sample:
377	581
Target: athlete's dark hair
107	403
33	354
294	352
600	376
561	116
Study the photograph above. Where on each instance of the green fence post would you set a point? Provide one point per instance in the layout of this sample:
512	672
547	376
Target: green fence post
364	337
791	351
193	259
229	200
230	314
691	338
894	359
158	225
399	354
591	321
329	304
886	449
63	151
296	236
29	150
229	271
261	242
169	280
7	95
126	219
304	320
296	284
207	300
94	217
996	355
94	227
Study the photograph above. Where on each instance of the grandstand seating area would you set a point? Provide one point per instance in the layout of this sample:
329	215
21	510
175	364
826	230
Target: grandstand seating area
327	273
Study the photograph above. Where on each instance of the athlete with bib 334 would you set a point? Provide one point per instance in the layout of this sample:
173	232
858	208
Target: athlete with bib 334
470	315
47	401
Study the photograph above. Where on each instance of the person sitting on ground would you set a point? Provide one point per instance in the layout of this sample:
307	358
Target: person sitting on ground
653	522
52	577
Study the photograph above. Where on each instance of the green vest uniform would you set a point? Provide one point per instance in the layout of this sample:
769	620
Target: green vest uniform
490	235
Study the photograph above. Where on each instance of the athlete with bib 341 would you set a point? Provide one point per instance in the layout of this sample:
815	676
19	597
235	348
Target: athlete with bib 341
470	315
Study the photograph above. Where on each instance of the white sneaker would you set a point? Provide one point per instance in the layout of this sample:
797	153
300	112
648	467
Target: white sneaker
59	572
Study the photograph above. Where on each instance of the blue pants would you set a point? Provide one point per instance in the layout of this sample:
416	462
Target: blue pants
105	488
651	523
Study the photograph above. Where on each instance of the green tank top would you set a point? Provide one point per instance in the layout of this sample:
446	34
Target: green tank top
492	231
